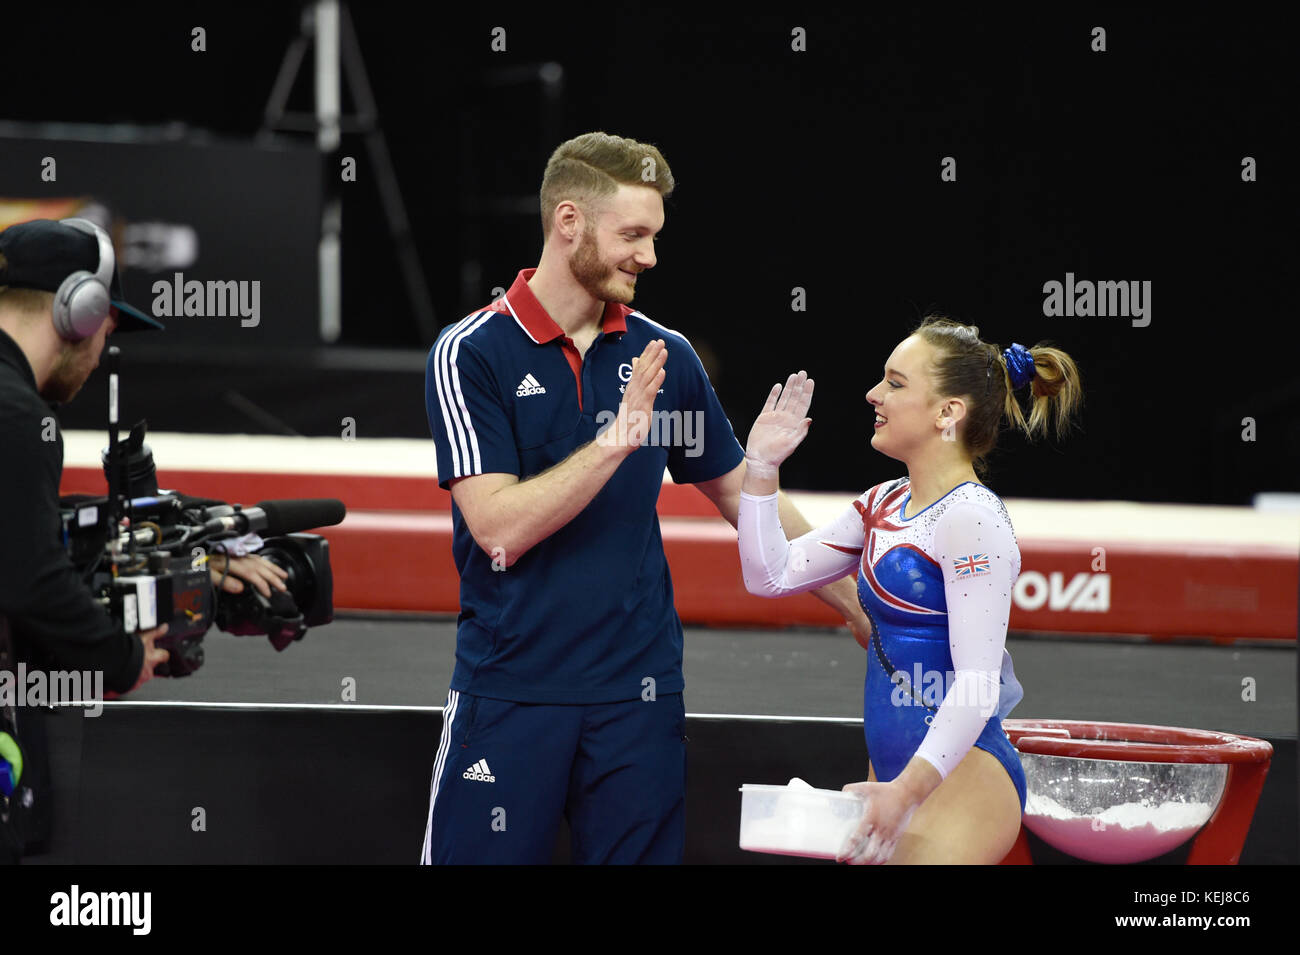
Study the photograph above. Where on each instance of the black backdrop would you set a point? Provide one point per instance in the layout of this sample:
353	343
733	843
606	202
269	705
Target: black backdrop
821	170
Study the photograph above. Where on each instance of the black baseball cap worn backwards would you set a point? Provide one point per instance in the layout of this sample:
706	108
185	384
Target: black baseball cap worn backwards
41	253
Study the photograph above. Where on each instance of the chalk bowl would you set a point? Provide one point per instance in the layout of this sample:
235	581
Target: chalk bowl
1118	812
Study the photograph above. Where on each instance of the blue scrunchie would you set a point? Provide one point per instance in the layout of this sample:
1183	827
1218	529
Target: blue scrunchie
1021	365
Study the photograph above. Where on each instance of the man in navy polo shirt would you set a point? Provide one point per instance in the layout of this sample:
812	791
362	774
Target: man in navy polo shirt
555	411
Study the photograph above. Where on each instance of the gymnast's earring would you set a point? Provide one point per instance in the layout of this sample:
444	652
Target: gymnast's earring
949	429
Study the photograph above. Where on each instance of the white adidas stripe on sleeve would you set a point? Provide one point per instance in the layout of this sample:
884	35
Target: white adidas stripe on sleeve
465	458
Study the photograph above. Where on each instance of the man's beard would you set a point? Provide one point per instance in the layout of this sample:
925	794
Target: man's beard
67	376
597	279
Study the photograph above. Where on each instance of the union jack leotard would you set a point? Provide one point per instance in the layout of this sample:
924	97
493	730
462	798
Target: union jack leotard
937	588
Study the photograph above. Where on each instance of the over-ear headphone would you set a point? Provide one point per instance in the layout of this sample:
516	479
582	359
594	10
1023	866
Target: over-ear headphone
82	302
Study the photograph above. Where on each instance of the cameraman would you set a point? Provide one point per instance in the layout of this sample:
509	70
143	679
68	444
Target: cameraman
60	298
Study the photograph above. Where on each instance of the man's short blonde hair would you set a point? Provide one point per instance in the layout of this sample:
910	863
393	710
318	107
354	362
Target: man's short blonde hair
590	167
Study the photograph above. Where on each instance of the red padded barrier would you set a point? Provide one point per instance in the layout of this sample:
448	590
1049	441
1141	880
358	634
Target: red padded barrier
394	553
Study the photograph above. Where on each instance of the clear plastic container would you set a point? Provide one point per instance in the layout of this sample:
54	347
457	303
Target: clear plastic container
797	820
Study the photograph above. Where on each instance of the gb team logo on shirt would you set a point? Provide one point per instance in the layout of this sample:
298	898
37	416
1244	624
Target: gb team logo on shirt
625	375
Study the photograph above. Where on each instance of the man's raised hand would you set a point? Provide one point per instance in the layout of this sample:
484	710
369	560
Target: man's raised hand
636	410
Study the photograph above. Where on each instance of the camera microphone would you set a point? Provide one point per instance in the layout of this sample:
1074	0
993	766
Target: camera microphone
294	516
275	518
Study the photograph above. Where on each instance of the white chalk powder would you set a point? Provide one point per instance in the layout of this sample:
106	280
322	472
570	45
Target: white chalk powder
1124	834
1130	815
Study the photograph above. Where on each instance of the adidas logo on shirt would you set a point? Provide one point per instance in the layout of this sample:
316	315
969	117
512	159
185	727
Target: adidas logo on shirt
529	386
480	772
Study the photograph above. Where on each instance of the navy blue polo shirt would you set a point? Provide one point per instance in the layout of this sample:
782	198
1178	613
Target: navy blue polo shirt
587	614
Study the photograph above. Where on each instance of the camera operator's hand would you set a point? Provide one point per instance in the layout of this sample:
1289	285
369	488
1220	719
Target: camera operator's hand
152	657
258	571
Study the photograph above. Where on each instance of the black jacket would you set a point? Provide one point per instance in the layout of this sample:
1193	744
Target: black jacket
57	624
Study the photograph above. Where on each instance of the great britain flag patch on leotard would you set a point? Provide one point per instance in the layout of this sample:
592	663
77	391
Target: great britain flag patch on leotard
972	565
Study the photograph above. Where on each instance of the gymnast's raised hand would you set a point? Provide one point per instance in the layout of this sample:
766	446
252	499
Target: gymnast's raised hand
777	431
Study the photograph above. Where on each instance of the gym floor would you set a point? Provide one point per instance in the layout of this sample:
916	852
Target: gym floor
1248	689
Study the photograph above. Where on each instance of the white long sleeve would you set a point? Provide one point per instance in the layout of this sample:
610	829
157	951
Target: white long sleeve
976	548
775	567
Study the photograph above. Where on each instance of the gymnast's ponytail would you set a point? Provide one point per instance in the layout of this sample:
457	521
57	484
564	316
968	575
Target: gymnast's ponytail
1054	387
989	377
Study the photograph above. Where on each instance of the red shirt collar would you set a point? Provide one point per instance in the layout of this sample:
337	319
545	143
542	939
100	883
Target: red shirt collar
522	304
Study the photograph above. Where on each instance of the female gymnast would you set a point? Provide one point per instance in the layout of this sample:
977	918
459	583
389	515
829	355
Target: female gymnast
936	558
